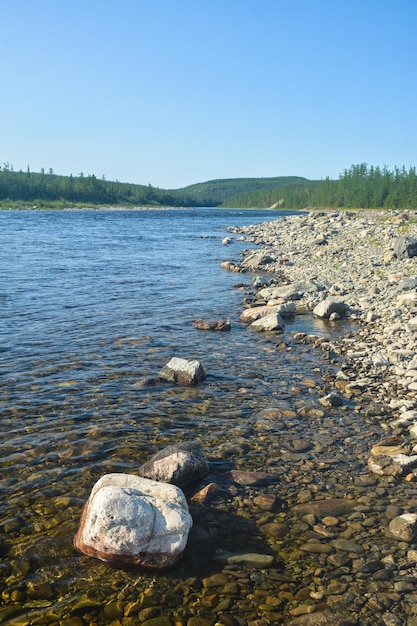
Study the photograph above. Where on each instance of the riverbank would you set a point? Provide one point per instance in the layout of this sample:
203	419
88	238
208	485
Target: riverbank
351	258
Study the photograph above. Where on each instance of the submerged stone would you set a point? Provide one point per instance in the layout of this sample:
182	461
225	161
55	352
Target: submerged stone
179	464
202	324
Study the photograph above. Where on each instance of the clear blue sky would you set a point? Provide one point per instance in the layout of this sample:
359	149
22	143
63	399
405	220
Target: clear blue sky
173	92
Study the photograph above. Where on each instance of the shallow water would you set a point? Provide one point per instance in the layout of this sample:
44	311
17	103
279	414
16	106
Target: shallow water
93	303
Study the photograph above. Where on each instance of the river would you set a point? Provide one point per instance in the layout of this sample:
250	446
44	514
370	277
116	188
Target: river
94	302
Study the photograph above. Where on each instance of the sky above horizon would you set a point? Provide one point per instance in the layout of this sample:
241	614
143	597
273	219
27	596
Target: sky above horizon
171	93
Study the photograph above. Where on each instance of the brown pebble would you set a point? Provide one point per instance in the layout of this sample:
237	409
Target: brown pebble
266	501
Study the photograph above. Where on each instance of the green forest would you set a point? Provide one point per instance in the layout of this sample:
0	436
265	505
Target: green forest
360	186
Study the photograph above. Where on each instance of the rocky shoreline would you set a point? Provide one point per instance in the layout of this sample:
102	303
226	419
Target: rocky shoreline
350	259
366	261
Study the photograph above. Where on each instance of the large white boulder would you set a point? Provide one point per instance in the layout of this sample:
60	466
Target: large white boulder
132	520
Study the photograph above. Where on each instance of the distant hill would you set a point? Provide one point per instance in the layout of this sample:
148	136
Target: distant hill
49	189
232	191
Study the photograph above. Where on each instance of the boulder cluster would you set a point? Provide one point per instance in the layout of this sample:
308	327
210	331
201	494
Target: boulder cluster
142	520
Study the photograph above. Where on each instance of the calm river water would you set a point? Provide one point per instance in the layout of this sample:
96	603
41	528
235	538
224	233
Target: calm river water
92	303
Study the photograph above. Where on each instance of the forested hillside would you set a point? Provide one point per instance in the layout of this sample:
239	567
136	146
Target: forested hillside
224	191
360	186
49	188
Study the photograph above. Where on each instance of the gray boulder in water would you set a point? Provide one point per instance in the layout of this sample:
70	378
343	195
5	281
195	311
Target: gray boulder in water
188	372
179	464
329	306
269	323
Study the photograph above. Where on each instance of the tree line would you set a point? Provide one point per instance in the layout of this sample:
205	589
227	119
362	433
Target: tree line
360	186
47	188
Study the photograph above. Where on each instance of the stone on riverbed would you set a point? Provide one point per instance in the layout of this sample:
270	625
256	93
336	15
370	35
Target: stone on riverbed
257	312
250	559
395	465
179	464
249	478
269	323
130	520
329	306
188	372
321	618
202	324
404	527
331	400
335	507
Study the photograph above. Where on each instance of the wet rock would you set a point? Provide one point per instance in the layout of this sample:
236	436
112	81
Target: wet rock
335	507
249	478
147	383
267	501
322	618
256	312
157	621
404	527
275	530
396	465
179	464
393	511
381	450
251	559
270	322
331	305
205	494
331	400
201	324
346	545
186	372
316	547
131	520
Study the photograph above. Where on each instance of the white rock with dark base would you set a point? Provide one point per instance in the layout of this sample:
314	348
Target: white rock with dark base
129	520
186	372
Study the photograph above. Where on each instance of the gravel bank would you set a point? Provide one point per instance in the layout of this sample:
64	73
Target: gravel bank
352	258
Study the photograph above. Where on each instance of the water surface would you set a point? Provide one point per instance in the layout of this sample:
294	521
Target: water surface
93	303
